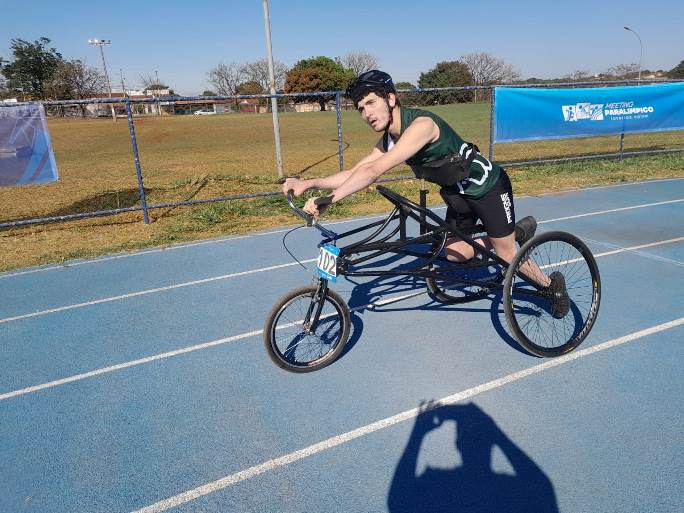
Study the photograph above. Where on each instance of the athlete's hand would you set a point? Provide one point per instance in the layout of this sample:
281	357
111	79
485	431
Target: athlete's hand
310	207
296	185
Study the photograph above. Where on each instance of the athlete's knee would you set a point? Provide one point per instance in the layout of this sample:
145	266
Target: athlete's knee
504	247
459	251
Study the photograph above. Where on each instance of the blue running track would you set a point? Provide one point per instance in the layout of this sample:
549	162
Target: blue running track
139	383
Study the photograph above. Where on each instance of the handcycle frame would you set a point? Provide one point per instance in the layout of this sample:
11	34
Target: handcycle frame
294	344
433	230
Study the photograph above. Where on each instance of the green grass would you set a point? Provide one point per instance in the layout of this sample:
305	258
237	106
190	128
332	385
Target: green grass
200	157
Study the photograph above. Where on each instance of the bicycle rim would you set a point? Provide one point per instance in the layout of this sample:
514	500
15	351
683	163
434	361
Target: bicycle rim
530	312
296	344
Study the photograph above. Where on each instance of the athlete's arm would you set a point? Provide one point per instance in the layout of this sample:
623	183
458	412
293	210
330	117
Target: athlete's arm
419	133
328	182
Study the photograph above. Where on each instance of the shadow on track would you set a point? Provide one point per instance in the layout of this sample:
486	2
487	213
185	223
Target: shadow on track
472	487
383	287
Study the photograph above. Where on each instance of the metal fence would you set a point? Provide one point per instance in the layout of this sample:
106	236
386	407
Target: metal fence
434	97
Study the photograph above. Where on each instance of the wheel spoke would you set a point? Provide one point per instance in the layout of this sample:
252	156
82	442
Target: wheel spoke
290	339
539	324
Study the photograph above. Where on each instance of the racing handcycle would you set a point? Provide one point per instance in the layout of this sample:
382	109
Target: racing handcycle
308	327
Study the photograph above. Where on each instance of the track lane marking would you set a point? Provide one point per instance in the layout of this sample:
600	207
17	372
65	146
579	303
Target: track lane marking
176	352
236	237
635	250
631	249
279	266
150	291
385	423
212	343
610	211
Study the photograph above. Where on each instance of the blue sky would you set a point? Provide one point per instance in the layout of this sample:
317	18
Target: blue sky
183	40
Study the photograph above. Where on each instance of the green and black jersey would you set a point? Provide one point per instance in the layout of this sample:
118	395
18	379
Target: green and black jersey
483	173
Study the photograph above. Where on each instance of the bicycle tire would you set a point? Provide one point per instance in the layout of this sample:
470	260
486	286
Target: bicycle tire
530	310
286	341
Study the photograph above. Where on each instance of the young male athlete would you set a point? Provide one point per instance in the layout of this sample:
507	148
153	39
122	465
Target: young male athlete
472	187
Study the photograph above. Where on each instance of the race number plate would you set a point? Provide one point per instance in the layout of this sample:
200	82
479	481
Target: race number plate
327	262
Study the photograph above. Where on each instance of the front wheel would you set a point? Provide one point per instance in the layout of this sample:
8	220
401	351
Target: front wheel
307	329
552	293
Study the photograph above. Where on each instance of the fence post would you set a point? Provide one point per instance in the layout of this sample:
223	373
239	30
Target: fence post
423	203
622	145
338	107
491	123
136	159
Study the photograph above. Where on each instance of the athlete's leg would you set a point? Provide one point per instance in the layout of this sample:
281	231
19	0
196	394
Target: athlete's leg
497	211
460	251
505	248
460	217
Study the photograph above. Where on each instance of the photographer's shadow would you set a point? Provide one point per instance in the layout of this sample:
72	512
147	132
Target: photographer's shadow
473	486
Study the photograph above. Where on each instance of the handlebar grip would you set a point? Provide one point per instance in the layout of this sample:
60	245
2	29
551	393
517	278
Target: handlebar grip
323	201
307	217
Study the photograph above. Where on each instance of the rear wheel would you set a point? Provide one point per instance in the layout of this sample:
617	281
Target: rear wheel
544	321
307	329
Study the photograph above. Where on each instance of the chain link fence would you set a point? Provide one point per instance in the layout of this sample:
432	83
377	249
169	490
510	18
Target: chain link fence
164	153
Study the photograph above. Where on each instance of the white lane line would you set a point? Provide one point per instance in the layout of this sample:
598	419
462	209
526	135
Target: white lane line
600	212
176	352
149	291
632	249
385	423
229	239
67	265
125	365
635	250
270	268
168	248
369	306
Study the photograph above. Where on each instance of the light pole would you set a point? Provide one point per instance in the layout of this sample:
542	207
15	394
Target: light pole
156	92
271	84
101	43
641	51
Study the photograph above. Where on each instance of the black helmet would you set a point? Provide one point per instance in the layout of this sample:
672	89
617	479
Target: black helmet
368	82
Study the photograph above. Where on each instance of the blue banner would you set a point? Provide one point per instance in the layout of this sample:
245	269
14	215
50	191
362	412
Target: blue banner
26	155
523	114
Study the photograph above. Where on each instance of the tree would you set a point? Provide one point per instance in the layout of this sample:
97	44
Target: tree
34	63
408	98
677	71
73	80
225	78
151	84
359	62
447	74
487	70
257	71
3	83
624	71
317	74
250	87
580	75
208	92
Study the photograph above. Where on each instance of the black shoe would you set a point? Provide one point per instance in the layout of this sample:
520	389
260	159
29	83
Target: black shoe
525	229
560	301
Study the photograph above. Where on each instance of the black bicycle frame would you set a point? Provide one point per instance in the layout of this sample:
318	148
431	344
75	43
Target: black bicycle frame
433	231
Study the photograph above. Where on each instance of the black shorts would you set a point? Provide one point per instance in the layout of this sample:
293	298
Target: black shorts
495	209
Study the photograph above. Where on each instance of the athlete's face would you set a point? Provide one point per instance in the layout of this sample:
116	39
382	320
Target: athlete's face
375	111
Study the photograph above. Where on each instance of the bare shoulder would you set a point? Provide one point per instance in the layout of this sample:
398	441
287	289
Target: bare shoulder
425	127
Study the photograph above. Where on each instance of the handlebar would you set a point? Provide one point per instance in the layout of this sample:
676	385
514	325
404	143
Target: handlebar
308	218
290	201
